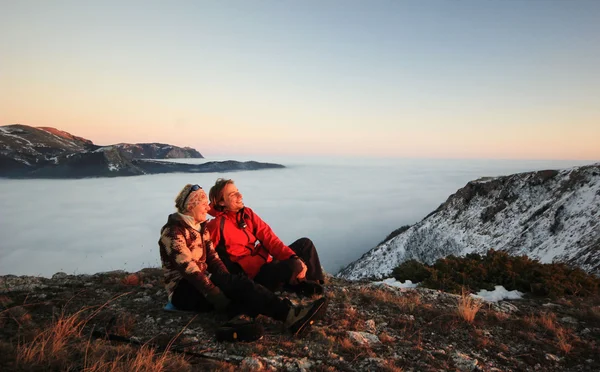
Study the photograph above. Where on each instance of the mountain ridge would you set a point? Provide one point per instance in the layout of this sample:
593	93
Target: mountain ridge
47	152
550	215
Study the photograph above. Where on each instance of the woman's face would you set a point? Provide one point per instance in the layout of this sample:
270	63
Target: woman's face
200	210
232	198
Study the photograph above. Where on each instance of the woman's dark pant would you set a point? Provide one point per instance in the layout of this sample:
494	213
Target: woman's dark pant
275	274
247	297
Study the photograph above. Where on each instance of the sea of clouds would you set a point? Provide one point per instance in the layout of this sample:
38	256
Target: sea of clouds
345	205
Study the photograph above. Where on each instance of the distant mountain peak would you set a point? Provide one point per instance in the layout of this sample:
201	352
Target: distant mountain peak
47	152
67	135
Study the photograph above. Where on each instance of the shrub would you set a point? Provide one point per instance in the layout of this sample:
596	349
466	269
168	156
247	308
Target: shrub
475	272
411	270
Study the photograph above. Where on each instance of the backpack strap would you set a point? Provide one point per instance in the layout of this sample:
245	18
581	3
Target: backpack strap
233	267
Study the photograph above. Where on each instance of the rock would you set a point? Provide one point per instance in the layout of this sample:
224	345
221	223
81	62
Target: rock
363	338
505	307
143	299
464	362
304	364
60	275
551	305
552	357
569	320
251	364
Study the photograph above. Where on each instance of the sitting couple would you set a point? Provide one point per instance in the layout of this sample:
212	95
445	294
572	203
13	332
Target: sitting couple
197	279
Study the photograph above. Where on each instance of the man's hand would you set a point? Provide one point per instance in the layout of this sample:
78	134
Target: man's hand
298	271
218	299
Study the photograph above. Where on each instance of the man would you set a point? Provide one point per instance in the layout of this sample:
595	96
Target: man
188	257
246	243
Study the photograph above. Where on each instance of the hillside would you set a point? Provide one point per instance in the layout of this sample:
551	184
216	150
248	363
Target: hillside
62	323
550	215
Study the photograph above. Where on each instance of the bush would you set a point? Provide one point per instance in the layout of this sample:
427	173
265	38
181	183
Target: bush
475	272
411	270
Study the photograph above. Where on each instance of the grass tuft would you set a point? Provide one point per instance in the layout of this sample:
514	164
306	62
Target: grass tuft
468	306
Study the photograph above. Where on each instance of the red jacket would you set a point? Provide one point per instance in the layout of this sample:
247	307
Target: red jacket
251	246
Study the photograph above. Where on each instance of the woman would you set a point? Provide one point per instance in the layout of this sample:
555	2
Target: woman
188	257
246	243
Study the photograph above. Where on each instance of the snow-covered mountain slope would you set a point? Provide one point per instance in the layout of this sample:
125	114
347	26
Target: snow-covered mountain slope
550	215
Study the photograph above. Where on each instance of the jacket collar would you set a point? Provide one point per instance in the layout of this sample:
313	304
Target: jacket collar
215	213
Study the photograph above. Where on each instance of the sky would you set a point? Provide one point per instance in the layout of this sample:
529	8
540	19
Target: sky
418	79
92	225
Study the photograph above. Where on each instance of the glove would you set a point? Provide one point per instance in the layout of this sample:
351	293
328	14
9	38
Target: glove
218	299
298	270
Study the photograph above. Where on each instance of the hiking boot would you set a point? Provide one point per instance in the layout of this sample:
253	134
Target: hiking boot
240	328
300	318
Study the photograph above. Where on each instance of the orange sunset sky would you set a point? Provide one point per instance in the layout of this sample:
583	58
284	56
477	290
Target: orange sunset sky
436	79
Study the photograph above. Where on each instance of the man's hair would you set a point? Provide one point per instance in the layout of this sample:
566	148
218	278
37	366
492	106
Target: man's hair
215	195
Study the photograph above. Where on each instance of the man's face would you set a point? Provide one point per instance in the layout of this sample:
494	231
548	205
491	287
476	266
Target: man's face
232	198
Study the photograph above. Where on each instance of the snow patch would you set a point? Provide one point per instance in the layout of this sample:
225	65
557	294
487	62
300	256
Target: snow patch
498	294
113	167
395	283
103	149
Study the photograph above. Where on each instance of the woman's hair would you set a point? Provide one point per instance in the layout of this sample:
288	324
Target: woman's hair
180	199
215	195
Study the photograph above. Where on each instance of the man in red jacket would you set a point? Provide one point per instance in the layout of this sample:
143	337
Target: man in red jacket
246	243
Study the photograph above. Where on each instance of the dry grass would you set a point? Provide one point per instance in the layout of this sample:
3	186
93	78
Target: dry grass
351	319
129	359
468	307
548	321
406	301
124	325
499	315
482	338
345	344
390	366
61	343
51	342
564	343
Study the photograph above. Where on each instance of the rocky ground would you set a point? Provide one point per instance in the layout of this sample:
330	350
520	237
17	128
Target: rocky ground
60	324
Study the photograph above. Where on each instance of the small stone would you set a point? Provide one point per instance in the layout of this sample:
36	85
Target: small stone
552	357
370	325
304	364
363	338
464	362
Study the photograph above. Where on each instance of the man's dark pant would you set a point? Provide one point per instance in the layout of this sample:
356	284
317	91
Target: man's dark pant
247	297
275	274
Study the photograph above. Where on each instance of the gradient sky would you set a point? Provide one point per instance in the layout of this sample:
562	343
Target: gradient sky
436	79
